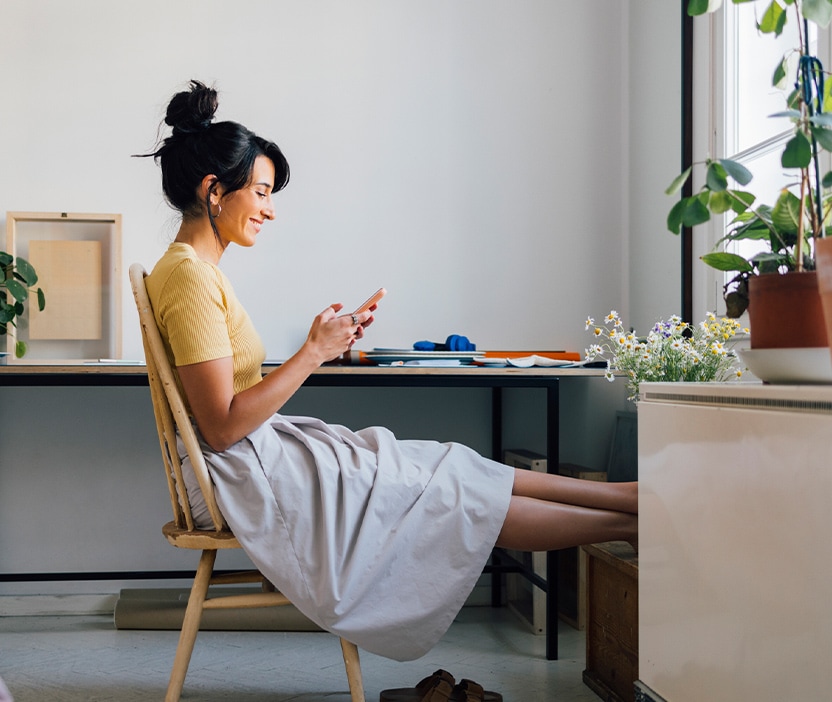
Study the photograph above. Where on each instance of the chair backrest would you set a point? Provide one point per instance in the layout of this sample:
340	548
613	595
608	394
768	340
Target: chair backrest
171	415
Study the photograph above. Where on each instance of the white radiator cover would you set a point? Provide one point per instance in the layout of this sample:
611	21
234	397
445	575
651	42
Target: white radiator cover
735	554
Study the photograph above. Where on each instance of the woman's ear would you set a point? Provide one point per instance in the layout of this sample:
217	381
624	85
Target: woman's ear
209	186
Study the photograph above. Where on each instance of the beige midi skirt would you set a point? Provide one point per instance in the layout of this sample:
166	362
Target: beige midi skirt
375	539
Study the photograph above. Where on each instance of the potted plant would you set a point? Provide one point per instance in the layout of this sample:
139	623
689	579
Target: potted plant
17	279
792	228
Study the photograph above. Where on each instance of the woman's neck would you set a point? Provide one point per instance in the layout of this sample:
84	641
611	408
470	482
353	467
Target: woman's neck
199	235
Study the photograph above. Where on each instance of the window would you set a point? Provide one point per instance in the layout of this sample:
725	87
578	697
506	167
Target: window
737	64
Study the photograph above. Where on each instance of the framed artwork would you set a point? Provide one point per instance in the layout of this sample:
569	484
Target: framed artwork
78	261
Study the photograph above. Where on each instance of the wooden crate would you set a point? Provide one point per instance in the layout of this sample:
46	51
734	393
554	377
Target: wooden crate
612	621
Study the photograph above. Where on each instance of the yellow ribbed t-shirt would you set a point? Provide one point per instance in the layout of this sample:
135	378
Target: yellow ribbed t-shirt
200	318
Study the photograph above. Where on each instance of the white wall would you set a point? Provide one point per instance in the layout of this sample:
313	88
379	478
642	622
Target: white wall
467	155
490	162
653	160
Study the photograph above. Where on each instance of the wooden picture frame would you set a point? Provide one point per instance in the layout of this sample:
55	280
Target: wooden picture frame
78	261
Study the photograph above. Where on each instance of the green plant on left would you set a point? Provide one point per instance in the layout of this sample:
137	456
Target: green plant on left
17	280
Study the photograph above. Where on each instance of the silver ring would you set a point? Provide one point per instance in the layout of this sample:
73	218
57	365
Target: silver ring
355	320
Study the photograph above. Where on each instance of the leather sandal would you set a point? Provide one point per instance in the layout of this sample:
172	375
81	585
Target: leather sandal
469	691
434	688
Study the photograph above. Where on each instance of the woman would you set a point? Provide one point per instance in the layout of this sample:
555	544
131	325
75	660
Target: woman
375	539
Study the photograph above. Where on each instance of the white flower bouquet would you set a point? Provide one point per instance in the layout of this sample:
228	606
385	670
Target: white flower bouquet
672	351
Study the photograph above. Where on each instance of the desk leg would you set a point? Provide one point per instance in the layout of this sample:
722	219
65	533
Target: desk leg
552	420
552	454
497	455
497	424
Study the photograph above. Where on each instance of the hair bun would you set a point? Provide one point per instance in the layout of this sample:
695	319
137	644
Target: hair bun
192	110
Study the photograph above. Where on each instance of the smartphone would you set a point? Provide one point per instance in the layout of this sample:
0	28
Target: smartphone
372	300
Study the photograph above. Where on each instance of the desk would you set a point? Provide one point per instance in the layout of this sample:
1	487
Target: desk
111	375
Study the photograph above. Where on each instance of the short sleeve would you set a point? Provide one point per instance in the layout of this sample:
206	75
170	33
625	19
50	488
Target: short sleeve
193	312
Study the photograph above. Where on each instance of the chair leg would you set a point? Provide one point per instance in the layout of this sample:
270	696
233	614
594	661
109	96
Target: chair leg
353	665
190	625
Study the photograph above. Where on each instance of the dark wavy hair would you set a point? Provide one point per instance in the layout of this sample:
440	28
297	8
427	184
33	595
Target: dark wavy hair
198	146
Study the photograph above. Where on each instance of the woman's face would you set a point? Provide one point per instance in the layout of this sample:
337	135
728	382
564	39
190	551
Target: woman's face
244	211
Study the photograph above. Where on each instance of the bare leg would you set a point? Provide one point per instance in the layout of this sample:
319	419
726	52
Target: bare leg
619	497
539	525
549	512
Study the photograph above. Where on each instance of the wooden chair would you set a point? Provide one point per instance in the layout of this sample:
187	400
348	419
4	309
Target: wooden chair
171	415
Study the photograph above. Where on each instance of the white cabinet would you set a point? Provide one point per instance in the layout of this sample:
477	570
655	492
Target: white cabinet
735	554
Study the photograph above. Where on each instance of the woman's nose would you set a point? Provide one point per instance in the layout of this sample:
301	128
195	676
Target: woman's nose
268	209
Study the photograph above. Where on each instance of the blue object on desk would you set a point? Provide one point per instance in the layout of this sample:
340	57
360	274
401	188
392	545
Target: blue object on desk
455	342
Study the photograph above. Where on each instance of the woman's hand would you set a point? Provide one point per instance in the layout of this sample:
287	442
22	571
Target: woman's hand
332	335
225	417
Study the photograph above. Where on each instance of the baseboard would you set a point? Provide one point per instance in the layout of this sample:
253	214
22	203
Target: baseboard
644	694
131	608
56	605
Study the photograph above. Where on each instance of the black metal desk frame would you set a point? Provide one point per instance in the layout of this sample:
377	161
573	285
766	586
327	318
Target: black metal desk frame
347	376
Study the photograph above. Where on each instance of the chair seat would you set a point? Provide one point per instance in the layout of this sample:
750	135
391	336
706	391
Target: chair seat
199	539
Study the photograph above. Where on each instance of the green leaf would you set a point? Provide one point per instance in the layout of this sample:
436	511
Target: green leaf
20	349
821	119
755	231
26	271
769	262
798	152
716	177
700	7
826	182
695	213
5	259
823	137
720	202
736	170
724	261
774	19
791	114
786	213
41	299
678	181
17	290
818	11
781	75
674	217
742	200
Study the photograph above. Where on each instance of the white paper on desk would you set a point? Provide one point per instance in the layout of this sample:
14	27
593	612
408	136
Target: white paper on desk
535	360
435	362
114	362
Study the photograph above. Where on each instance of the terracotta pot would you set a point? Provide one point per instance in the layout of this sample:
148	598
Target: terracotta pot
785	311
823	260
